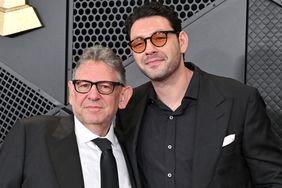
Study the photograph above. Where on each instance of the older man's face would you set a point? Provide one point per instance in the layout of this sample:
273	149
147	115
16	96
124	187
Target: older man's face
93	108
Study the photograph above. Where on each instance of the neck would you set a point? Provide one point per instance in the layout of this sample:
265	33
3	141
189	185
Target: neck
99	129
172	90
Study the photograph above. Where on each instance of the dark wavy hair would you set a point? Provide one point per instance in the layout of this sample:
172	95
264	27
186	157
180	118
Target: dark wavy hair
153	9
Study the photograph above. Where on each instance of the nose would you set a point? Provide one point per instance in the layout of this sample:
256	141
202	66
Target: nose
93	94
150	48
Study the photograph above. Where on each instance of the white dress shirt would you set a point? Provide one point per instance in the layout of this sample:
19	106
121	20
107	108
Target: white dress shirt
90	155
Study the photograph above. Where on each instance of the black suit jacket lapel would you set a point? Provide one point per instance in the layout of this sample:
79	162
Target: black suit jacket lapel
211	125
64	154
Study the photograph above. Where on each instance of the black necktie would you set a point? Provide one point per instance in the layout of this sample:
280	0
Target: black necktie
108	166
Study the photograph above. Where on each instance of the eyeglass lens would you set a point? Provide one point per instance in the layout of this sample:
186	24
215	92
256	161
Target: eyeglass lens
103	87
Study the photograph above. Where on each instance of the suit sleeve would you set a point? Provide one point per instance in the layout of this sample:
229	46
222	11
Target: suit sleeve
12	154
261	149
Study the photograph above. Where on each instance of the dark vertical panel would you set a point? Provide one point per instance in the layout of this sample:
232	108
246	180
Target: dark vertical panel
33	67
40	55
264	55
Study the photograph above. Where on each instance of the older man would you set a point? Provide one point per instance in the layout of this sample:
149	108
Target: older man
63	152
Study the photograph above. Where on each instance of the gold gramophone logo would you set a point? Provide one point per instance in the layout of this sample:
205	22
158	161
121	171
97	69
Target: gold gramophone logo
16	16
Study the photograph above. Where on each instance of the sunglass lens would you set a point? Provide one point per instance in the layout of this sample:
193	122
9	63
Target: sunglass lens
138	45
159	39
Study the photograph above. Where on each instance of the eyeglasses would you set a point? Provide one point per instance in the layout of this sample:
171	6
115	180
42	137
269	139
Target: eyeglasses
103	87
158	39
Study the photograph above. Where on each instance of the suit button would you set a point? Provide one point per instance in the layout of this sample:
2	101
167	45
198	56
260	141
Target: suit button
169	175
171	117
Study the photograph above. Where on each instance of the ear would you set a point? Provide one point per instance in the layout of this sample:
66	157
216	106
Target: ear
125	95
183	41
71	91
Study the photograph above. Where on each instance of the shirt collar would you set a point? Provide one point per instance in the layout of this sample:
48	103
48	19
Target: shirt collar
84	135
193	88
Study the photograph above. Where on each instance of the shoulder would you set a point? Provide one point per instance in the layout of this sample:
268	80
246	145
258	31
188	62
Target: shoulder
42	123
142	88
140	92
32	128
41	120
228	87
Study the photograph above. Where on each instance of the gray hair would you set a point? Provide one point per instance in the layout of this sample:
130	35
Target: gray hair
105	54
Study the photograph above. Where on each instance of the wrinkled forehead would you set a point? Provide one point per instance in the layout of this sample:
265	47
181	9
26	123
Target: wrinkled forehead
96	70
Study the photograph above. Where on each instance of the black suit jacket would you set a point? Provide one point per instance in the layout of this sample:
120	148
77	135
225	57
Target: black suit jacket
225	107
41	152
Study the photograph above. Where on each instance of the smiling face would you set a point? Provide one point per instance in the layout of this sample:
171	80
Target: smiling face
93	108
158	63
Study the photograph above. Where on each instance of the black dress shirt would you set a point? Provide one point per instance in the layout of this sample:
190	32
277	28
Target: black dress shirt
166	140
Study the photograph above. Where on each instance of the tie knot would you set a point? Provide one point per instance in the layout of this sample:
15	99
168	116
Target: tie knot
103	143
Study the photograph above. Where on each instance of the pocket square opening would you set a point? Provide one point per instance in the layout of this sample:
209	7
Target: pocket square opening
228	140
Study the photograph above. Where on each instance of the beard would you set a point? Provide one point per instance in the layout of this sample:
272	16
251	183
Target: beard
160	72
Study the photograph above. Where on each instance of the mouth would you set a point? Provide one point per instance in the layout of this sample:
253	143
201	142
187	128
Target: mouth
153	62
93	107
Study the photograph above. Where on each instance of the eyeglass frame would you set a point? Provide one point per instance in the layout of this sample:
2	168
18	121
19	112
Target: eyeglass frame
145	39
113	84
